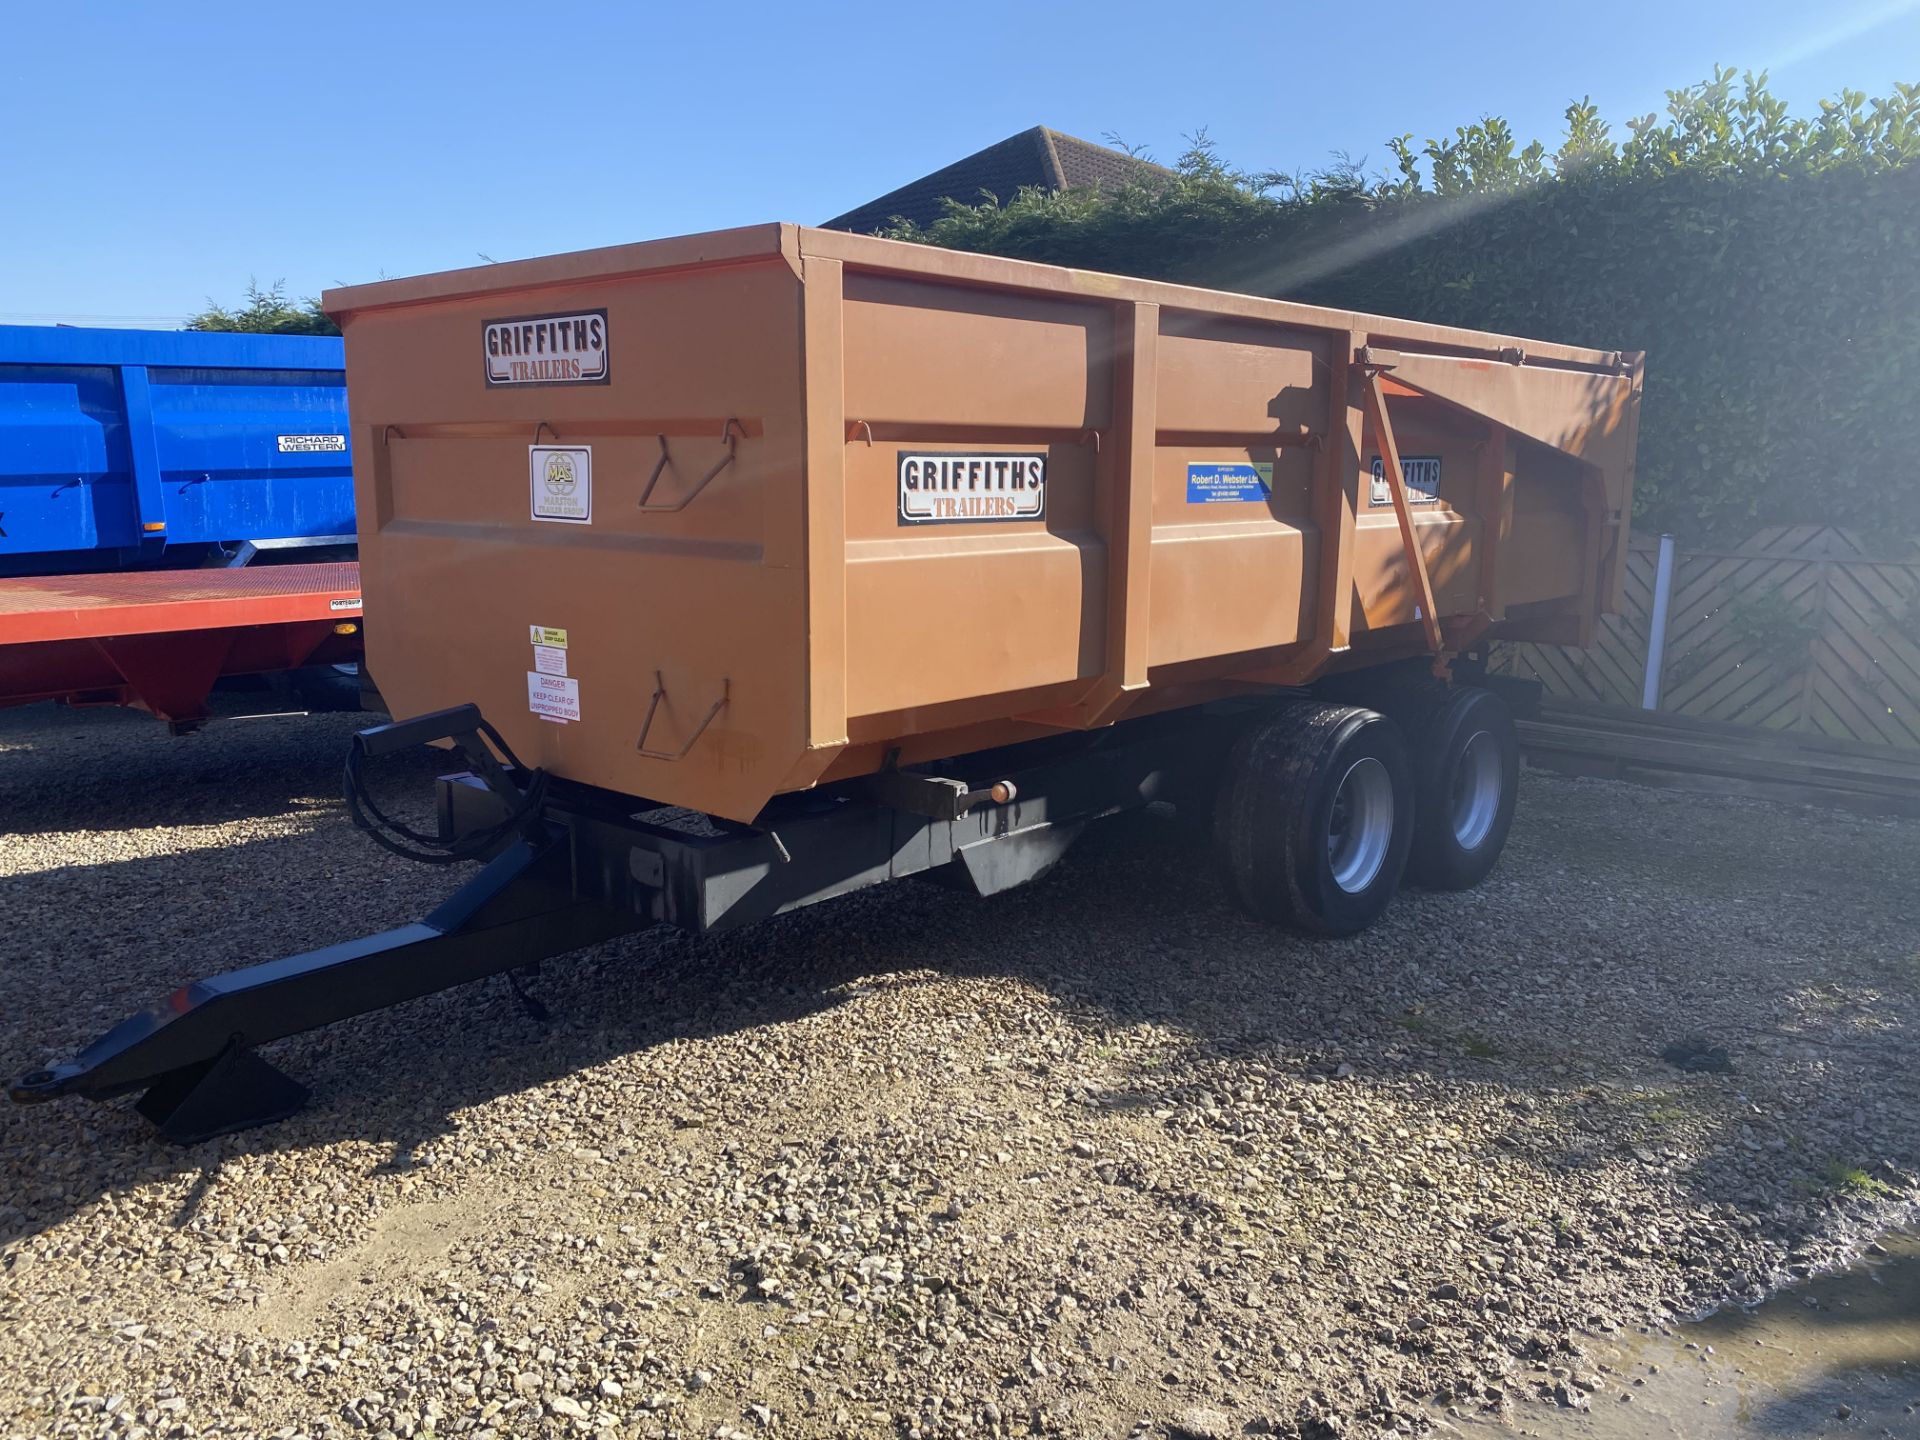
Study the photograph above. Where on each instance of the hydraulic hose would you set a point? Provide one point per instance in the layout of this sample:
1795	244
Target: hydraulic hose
411	844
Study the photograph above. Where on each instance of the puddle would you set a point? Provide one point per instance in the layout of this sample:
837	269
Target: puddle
1835	1356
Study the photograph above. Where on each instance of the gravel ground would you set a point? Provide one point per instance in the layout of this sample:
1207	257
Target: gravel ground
1097	1157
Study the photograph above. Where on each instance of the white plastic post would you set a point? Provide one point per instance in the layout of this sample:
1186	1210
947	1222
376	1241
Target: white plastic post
1657	625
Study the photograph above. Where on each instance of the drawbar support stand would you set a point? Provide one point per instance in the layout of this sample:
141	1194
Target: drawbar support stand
235	1090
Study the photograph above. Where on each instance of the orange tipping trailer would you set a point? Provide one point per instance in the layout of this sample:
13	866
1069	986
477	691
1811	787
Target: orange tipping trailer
748	569
874	499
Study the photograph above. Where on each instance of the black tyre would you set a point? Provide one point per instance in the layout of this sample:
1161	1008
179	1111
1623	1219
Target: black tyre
1315	816
325	688
1466	766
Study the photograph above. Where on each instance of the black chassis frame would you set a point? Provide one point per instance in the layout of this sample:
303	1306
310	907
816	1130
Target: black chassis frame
591	865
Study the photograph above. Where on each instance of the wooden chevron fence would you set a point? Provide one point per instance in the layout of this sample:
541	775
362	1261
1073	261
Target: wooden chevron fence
1799	630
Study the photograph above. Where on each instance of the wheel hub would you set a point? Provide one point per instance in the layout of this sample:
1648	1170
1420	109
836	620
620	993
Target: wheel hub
1477	783
1361	826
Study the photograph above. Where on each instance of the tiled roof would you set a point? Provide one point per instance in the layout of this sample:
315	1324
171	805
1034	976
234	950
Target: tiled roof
1039	157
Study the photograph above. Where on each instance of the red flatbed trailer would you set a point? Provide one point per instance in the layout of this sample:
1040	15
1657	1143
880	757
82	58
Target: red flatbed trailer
157	640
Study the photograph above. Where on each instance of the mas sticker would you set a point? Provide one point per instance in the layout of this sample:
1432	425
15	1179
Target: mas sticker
561	478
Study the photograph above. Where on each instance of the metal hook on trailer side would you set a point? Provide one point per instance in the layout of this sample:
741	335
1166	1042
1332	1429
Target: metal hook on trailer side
653	707
730	436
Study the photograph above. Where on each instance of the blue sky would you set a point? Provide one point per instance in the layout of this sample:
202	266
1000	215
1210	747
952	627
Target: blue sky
154	155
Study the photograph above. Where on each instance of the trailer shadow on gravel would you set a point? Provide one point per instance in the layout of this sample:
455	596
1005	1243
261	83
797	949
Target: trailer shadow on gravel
101	772
1548	994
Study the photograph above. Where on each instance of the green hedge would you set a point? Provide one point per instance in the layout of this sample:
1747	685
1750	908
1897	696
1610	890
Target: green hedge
1770	267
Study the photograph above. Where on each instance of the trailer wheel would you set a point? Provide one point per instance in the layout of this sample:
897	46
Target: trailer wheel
1466	768
1315	816
1466	763
325	688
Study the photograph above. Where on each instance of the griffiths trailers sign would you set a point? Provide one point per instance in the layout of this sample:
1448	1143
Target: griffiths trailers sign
949	489
548	349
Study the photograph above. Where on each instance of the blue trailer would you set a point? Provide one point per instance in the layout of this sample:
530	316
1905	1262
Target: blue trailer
140	472
138	449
